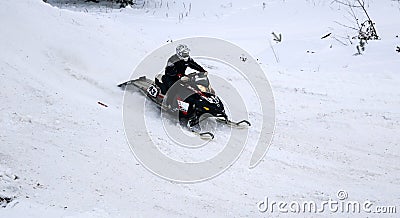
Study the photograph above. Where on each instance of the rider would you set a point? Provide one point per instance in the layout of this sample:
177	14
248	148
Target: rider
177	64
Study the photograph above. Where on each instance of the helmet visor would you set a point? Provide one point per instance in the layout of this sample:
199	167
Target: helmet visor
184	55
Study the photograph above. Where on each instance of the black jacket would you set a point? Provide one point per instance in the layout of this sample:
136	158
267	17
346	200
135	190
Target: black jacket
177	67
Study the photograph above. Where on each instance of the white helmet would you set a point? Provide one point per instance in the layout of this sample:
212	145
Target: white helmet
183	52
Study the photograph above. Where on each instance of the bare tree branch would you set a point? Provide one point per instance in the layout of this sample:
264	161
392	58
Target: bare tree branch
350	27
346	4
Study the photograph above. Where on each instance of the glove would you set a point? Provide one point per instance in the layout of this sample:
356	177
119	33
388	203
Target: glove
185	79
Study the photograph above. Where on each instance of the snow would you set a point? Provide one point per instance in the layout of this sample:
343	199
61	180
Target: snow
63	154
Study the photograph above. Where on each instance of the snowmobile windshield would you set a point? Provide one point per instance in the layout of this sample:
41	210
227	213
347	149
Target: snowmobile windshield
202	81
203	84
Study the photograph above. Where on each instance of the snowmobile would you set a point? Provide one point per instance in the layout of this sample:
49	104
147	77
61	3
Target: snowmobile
192	98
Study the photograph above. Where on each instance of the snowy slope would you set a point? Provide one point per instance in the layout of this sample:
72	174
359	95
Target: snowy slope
63	154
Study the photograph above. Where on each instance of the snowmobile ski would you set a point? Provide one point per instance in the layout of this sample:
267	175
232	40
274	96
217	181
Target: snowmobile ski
241	124
204	135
